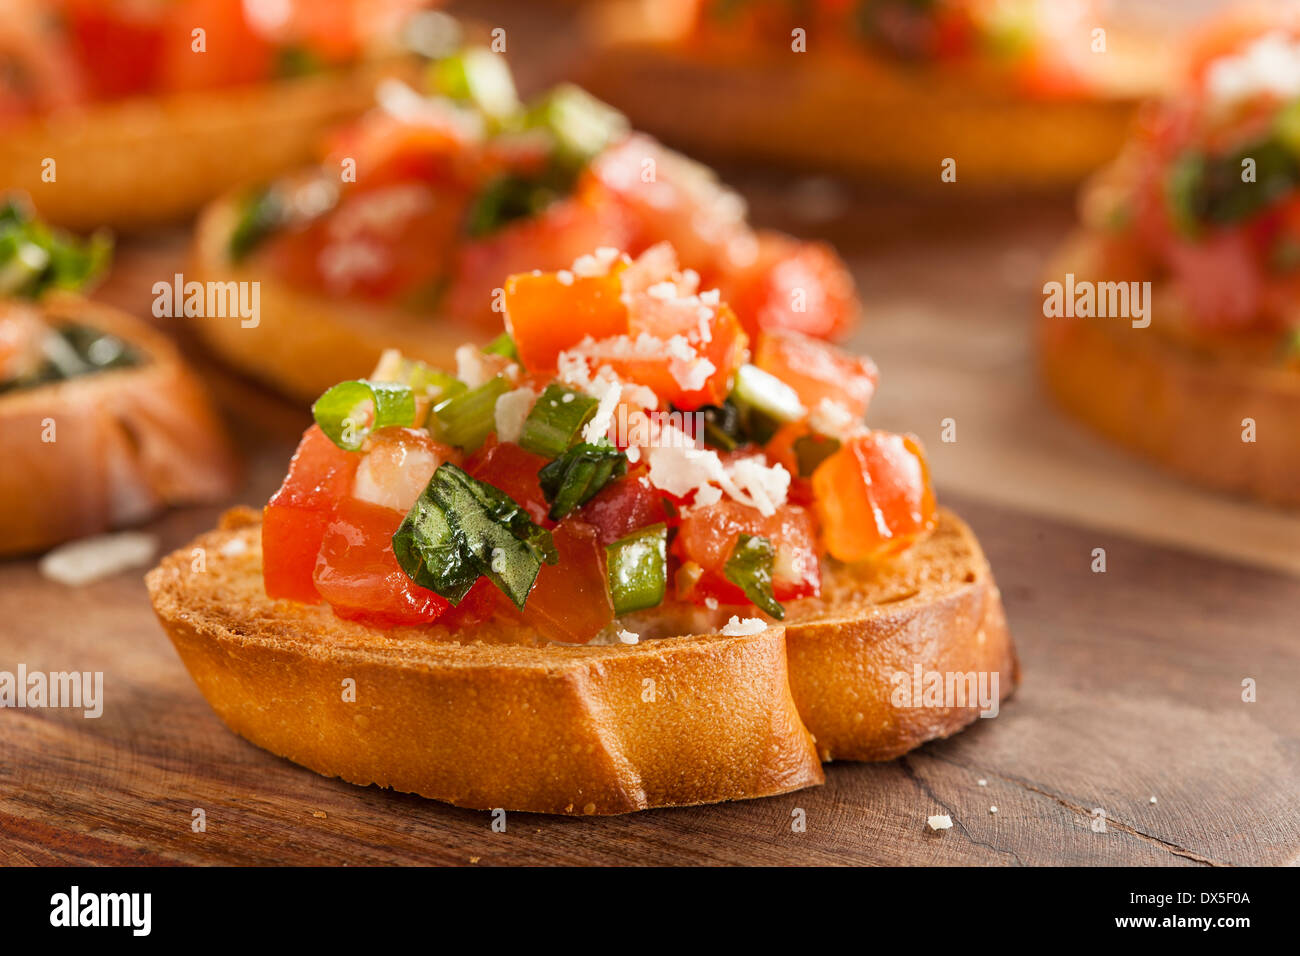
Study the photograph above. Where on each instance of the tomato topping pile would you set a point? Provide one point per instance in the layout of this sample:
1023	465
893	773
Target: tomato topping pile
449	195
1206	198
613	452
70	51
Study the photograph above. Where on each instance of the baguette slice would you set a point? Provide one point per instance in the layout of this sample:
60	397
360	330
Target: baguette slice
305	342
860	117
125	442
152	160
1173	400
591	729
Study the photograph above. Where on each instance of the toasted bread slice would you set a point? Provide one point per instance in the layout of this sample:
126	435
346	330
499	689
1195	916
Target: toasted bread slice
304	342
585	729
107	448
1176	401
152	160
859	117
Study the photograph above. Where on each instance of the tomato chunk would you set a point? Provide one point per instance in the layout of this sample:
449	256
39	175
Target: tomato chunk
818	371
295	519
507	467
570	601
358	574
801	286
546	316
624	506
873	497
708	535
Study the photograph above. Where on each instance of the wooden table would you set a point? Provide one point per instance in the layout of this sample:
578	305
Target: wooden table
1132	678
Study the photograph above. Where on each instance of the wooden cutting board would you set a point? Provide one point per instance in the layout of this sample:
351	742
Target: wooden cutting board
1132	678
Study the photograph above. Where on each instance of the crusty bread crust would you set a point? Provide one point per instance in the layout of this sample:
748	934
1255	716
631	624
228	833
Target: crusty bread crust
151	160
857	117
306	342
583	730
126	442
1181	406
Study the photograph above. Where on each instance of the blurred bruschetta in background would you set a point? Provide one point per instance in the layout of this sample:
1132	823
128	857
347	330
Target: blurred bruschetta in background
1017	92
401	236
134	112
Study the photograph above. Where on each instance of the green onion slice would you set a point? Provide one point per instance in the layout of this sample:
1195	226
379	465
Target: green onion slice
350	411
35	258
503	344
479	77
555	420
461	529
574	478
637	569
581	126
750	568
466	419
768	394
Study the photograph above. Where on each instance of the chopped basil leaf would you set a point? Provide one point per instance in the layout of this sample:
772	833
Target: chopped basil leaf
70	351
574	478
35	258
261	212
556	419
350	411
750	568
1203	190
461	529
511	197
465	420
722	426
637	569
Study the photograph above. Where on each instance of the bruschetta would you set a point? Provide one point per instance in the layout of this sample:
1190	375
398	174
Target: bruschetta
135	112
402	236
1197	224
101	423
991	93
624	558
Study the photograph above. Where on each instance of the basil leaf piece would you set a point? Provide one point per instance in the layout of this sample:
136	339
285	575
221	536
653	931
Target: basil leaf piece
750	568
35	258
574	478
811	450
262	212
461	529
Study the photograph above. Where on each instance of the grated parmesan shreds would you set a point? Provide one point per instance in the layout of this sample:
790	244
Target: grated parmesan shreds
92	559
736	627
940	821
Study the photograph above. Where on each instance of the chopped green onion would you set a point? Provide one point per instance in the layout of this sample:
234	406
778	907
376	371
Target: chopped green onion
750	568
510	197
637	569
556	419
35	258
574	478
350	411
811	450
503	344
425	380
581	126
461	529
465	420
261	212
479	77
767	393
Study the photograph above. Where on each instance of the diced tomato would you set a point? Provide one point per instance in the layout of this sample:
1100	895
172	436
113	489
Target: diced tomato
545	316
818	371
388	244
802	286
780	450
295	519
669	198
623	506
708	535
358	574
234	51
874	497
507	467
117	46
390	151
570	601
483	602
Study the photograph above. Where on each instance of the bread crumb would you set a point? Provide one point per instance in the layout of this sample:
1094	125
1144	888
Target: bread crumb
983	782
738	628
475	859
1153	799
589	809
940	821
92	559
320	814
234	547
993	809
